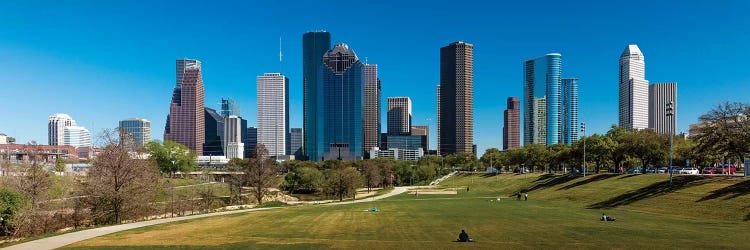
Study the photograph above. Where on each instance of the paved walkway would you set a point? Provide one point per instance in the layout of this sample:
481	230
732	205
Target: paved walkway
69	238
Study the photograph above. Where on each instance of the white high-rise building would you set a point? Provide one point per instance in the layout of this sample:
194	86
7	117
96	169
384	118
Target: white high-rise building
233	146
273	112
633	89
76	136
56	127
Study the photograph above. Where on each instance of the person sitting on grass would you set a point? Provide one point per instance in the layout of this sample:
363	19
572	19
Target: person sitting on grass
464	237
607	218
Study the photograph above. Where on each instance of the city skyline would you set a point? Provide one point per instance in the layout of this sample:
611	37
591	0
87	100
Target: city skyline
496	68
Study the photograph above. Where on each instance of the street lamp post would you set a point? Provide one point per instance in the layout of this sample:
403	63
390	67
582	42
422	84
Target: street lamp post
670	114
583	130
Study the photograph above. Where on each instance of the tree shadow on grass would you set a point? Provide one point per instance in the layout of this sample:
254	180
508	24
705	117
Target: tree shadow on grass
549	180
628	176
733	191
653	190
595	178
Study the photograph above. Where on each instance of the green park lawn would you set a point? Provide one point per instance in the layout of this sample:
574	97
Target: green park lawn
562	212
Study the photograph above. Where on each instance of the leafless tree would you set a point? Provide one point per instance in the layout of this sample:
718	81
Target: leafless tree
35	181
261	172
120	186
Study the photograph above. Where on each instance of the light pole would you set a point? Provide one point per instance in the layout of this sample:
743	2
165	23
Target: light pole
670	114
583	130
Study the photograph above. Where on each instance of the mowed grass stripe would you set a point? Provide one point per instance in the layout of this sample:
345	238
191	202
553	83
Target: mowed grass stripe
556	216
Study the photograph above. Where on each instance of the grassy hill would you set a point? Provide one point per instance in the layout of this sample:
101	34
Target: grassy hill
562	212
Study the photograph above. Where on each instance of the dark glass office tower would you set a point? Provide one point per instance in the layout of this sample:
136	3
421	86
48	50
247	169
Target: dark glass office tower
314	46
339	109
214	129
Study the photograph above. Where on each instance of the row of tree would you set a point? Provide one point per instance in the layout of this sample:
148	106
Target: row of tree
724	133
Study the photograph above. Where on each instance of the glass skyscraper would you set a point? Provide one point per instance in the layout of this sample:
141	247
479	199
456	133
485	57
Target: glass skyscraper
542	79
314	46
229	107
569	111
138	128
339	108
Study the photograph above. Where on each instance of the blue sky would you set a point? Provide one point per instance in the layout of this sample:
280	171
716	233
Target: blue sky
102	61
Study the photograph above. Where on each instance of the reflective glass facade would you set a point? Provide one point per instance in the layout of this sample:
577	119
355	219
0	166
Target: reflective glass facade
314	46
569	111
542	81
339	106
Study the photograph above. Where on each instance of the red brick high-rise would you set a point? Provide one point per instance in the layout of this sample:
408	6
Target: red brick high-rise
186	121
511	128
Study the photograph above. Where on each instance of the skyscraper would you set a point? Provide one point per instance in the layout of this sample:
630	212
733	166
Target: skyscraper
251	140
569	111
295	143
273	112
371	114
229	107
541	111
76	136
399	116
314	46
186	119
437	126
233	146
137	128
56	127
214	132
456	127
424	131
340	105
659	94
512	124
633	89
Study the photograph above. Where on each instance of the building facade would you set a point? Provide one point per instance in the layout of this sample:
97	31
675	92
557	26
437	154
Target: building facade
214	132
273	112
55	128
424	131
251	140
569	111
314	46
399	115
512	124
340	105
541	111
295	142
456	127
397	154
659	94
233	146
405	141
229	107
185	122
138	129
633	89
76	136
371	114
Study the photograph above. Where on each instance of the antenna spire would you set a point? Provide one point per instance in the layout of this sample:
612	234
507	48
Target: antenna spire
280	55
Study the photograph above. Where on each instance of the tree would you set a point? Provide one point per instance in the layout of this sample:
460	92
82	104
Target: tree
11	204
120	187
35	182
536	156
373	176
725	129
559	155
342	181
598	149
261	173
59	164
172	157
647	146
619	148
237	178
303	179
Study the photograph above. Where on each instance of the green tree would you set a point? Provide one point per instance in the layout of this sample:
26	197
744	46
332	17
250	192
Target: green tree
59	164
172	157
598	150
647	146
537	156
342	181
558	156
619	147
725	129
10	204
304	179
